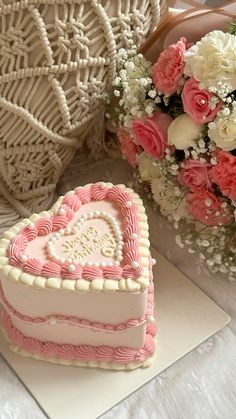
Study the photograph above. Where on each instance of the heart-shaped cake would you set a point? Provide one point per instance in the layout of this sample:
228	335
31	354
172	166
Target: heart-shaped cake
76	281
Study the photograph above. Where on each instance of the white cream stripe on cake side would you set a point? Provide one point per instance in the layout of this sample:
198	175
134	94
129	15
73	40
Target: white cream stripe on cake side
125	284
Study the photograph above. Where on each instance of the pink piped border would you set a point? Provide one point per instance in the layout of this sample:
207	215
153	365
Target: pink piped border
70	204
122	355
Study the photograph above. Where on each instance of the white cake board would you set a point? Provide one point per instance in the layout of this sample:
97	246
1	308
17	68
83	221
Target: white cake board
186	317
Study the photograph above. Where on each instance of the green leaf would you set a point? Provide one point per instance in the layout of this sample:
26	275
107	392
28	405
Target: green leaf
232	27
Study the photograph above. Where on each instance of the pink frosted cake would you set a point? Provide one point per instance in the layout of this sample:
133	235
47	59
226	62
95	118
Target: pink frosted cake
76	281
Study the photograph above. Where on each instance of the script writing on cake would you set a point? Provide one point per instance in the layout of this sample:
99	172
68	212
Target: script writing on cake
88	242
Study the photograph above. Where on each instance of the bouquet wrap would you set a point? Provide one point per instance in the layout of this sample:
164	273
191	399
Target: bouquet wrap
192	23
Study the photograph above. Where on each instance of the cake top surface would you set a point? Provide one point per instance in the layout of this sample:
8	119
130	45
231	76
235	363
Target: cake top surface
93	238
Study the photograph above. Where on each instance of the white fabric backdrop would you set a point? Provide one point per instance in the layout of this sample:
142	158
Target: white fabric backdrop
200	386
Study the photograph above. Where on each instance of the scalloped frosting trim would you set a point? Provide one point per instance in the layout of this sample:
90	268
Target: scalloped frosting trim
76	363
53	319
81	353
132	276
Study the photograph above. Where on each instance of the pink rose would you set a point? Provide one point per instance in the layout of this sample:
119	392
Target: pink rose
197	102
207	208
168	70
128	148
224	174
195	175
151	133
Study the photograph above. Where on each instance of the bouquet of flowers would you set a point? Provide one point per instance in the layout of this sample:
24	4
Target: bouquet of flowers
177	125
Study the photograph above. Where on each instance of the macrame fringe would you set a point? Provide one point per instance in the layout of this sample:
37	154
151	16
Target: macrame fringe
8	215
12	210
101	141
96	136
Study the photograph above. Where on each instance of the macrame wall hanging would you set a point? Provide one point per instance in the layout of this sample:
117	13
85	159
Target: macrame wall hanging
57	58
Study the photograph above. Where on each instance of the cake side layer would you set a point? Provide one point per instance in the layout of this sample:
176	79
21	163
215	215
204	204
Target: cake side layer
92	306
75	331
52	319
84	354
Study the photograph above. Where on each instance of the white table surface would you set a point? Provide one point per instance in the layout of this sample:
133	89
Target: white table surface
202	385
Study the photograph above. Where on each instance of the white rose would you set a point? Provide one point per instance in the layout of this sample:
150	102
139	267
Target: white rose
148	167
212	60
163	192
182	131
223	131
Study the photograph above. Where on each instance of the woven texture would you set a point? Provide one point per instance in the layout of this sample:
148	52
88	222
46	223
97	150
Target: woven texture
57	59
